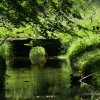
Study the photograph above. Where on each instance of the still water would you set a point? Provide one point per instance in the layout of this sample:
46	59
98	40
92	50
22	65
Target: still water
51	81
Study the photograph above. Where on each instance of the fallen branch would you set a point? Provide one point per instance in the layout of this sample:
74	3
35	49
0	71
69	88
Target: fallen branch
81	80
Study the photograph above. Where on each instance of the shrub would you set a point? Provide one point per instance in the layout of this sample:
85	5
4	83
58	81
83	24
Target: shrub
37	55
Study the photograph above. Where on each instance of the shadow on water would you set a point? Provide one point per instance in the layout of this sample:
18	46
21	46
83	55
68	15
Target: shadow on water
51	81
20	62
2	78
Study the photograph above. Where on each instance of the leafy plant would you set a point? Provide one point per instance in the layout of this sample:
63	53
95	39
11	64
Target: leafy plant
37	55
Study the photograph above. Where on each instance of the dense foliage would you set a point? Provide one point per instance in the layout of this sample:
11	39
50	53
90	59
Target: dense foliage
75	22
49	18
37	55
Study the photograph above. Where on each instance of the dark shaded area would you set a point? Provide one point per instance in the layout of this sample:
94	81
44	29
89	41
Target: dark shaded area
2	78
91	68
75	81
21	62
53	63
52	46
18	48
24	62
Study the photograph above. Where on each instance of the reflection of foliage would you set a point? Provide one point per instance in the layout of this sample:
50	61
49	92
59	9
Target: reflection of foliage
38	81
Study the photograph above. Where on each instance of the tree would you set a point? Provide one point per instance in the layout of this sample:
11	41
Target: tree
48	15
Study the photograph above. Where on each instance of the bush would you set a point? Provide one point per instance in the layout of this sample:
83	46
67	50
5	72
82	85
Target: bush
37	55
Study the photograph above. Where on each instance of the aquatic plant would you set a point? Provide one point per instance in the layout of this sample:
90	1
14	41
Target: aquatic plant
37	55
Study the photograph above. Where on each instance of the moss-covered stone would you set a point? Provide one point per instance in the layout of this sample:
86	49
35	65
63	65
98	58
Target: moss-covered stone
37	55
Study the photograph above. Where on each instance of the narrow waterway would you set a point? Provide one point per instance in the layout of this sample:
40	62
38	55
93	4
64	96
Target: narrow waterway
51	81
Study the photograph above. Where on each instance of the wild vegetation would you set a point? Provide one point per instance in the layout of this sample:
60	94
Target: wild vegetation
76	23
50	19
5	50
37	55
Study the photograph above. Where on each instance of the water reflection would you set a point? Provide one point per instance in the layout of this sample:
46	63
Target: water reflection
53	81
38	82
